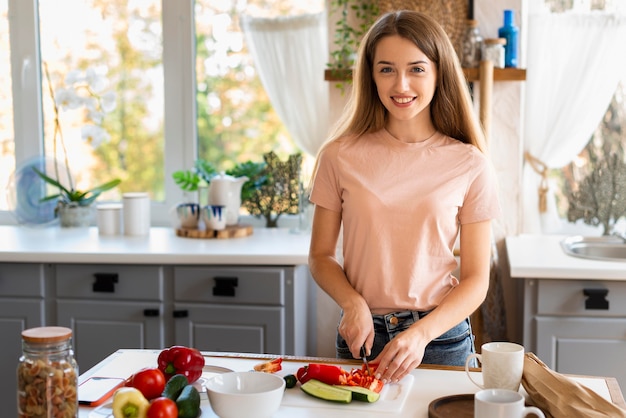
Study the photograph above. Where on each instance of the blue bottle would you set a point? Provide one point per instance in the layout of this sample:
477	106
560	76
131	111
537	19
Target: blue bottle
509	32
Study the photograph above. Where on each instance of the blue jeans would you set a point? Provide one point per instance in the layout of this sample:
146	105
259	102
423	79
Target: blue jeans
451	348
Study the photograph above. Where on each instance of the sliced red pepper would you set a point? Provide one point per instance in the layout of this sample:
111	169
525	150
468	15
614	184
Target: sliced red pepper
272	366
183	360
335	375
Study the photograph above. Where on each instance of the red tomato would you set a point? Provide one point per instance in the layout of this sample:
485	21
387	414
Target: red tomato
150	382
162	407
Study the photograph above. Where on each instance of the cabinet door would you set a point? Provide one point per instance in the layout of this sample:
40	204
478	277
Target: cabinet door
15	316
587	346
243	329
100	327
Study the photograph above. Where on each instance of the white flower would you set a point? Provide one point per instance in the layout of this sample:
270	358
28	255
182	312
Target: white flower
108	101
95	116
94	80
94	135
74	77
67	98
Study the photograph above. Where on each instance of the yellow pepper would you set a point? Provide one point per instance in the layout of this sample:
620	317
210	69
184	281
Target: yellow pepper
129	402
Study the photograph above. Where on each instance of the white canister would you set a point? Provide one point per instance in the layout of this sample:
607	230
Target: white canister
109	219
493	50
136	213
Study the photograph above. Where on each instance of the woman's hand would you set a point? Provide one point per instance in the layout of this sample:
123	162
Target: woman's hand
400	356
357	328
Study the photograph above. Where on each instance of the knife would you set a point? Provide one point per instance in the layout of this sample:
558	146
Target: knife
364	358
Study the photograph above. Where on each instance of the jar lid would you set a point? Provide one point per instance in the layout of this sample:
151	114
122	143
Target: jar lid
472	23
46	334
495	41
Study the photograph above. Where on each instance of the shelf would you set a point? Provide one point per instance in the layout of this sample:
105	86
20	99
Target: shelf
471	74
499	74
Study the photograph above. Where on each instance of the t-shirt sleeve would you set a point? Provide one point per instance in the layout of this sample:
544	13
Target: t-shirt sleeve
326	190
481	200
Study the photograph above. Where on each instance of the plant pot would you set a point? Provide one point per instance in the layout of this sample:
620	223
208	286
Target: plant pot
72	216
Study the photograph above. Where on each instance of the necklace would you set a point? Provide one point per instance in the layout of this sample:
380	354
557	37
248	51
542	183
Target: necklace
414	142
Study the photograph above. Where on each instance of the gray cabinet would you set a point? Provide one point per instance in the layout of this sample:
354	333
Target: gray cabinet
242	309
22	306
110	307
577	326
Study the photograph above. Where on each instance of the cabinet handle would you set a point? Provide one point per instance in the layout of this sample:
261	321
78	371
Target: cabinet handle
105	282
596	299
225	286
151	312
183	313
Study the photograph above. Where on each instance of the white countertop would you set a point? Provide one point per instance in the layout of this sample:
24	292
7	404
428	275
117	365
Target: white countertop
541	256
427	385
266	246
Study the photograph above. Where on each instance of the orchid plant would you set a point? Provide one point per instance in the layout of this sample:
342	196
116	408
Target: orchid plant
81	89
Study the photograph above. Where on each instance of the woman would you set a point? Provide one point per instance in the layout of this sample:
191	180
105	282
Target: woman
402	177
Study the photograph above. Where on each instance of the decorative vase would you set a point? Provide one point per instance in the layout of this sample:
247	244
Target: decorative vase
72	216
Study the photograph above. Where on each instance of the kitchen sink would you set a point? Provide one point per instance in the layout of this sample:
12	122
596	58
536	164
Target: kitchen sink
608	248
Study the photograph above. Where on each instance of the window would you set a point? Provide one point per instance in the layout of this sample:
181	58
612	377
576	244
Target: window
608	138
185	88
7	145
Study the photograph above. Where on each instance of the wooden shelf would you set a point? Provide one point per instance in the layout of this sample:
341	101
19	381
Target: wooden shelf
499	74
472	74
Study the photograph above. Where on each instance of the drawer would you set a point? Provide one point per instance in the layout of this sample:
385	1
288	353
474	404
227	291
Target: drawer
21	280
581	298
242	285
109	282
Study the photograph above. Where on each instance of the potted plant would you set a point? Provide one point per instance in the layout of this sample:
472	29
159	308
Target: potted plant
353	19
74	206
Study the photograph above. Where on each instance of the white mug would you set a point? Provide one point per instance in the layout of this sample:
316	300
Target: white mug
214	217
502	365
502	403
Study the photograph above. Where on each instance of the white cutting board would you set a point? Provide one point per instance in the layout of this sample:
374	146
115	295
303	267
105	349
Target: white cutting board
391	401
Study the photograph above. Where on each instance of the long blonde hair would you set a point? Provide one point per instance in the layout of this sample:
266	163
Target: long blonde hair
451	108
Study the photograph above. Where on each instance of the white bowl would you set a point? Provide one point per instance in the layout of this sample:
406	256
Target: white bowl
245	394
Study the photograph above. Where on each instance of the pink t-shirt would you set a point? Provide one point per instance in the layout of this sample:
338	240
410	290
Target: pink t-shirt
402	205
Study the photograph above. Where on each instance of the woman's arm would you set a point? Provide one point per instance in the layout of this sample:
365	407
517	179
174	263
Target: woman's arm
405	352
356	326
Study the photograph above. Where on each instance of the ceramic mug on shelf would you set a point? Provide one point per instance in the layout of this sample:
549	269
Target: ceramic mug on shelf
502	365
502	403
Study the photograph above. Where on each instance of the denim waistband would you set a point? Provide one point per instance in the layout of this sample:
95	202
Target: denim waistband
403	319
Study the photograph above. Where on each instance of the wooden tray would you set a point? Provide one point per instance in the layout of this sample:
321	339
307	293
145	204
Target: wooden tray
231	231
454	406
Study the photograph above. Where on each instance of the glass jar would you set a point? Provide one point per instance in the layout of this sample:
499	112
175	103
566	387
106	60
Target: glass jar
472	45
493	50
47	374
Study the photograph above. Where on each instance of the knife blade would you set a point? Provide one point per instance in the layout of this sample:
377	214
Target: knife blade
364	358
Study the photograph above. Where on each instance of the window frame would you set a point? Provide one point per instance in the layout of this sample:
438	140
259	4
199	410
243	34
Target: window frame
180	132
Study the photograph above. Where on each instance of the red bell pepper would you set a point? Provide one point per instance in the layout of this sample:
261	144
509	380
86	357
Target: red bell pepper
183	360
326	373
335	375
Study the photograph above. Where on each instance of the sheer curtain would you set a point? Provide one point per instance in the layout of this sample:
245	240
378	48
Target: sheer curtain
575	62
290	54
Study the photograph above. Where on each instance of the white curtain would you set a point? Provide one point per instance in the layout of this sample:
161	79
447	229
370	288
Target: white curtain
290	54
575	62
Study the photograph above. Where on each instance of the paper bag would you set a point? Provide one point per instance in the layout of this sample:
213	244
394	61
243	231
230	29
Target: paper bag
561	397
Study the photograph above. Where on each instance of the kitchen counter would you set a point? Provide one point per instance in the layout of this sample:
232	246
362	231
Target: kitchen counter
541	256
425	384
571	306
266	246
